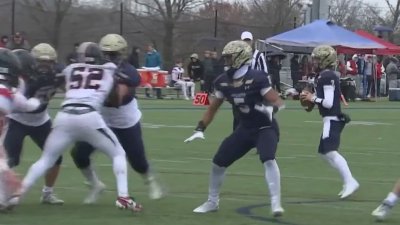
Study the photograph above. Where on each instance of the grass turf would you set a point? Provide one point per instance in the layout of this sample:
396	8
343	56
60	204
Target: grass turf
309	186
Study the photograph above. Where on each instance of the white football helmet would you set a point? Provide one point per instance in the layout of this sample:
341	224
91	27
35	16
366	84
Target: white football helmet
44	51
113	43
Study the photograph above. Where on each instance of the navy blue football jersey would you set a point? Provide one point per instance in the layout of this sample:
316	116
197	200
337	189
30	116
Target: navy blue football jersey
244	94
128	75
43	86
328	77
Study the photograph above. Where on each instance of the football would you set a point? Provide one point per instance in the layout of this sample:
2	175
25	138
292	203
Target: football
307	105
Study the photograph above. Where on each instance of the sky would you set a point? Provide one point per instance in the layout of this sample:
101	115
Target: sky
380	3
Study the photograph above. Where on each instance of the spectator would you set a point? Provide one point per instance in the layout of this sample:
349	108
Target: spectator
379	72
393	73
196	70
295	69
3	41
305	67
368	78
134	57
73	56
177	79
218	64
18	42
152	58
351	66
209	75
274	68
152	61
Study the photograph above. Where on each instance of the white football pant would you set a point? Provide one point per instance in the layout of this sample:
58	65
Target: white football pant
70	128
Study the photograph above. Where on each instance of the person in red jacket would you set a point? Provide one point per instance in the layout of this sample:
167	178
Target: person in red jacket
352	68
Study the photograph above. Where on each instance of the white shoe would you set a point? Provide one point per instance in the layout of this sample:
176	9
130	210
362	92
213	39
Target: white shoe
155	189
382	211
276	208
208	206
51	199
187	98
95	191
350	189
341	192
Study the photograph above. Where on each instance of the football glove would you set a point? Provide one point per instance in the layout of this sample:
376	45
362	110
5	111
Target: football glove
198	132
196	135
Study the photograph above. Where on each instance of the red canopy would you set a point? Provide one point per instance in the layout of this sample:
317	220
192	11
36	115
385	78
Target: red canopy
391	49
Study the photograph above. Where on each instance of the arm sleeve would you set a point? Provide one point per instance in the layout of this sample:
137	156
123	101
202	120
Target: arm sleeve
327	101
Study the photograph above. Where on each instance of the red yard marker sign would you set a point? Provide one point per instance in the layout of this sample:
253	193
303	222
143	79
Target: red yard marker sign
201	99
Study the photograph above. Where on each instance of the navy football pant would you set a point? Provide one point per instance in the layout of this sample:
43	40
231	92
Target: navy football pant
14	139
130	139
330	137
236	117
242	140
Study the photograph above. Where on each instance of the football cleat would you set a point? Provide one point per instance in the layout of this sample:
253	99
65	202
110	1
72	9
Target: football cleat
95	191
51	199
276	209
349	189
341	192
382	211
208	206
128	203
155	189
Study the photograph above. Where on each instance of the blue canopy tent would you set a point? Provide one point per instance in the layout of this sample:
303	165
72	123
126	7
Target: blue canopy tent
303	39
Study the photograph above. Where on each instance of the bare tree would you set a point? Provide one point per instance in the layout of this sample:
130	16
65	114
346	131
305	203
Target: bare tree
168	12
390	19
346	12
276	15
50	14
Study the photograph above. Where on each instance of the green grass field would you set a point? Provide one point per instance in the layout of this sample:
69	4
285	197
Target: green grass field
309	185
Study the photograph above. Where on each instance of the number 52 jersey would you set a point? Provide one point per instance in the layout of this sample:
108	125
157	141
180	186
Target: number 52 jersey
88	84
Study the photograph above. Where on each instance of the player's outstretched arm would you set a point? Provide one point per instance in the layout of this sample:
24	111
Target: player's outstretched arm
208	116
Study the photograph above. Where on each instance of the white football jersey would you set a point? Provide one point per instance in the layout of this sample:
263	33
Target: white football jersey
88	84
122	117
177	73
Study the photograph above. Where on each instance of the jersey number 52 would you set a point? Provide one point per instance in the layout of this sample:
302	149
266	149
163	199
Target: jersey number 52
86	78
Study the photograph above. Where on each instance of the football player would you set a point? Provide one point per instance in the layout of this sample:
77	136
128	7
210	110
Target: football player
124	121
250	92
177	79
327	98
88	84
40	81
10	99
